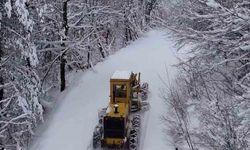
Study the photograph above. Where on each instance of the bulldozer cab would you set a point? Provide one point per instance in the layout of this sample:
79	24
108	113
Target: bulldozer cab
120	88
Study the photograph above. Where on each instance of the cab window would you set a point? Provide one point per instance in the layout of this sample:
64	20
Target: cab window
120	91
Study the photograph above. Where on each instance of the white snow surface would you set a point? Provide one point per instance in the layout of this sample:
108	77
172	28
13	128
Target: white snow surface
121	75
8	8
71	124
213	3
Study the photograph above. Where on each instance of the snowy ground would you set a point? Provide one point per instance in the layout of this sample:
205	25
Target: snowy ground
71	125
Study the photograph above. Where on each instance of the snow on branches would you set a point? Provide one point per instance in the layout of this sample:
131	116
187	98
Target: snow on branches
23	13
42	39
217	69
20	90
8	8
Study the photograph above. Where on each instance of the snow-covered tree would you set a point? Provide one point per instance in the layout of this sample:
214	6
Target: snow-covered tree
95	29
20	86
217	69
174	93
42	40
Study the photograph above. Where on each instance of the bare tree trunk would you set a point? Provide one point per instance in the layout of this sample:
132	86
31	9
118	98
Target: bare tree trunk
127	31
126	22
99	44
101	50
107	36
89	65
1	89
1	74
149	8
63	55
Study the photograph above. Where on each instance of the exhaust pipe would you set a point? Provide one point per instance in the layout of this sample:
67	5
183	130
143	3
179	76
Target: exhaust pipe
116	108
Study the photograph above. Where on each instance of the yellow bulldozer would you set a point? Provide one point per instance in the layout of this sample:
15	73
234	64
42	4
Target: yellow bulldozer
119	123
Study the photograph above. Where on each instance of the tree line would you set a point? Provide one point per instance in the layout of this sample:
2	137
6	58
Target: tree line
209	105
43	40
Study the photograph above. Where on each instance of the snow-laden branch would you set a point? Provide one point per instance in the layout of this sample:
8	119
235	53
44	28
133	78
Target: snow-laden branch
14	121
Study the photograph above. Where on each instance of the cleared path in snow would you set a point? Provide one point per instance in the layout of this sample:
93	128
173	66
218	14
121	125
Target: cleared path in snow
71	125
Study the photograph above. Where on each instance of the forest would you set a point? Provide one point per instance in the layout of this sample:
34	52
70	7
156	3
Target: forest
41	41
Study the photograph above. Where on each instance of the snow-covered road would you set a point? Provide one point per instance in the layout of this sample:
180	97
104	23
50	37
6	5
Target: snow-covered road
71	125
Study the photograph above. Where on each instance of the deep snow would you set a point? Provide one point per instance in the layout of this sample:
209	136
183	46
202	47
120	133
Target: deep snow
71	125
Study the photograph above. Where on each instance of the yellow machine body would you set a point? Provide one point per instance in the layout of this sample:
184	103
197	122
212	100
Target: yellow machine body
116	119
